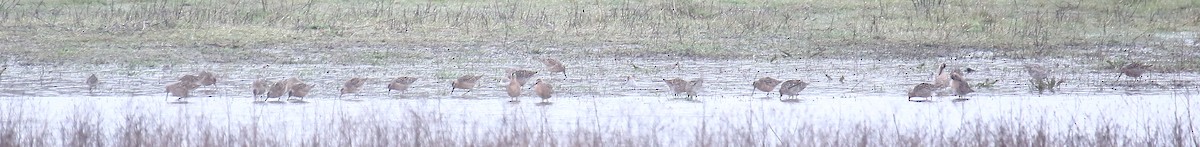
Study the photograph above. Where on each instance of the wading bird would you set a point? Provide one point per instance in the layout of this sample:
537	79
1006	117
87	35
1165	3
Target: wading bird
959	86
181	89
766	84
352	86
207	78
280	88
679	85
1135	70
92	82
543	90
299	90
924	90
260	87
514	90
465	82
1037	72
791	88
553	66
400	84
521	76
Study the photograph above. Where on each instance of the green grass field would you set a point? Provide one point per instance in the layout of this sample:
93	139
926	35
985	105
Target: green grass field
367	31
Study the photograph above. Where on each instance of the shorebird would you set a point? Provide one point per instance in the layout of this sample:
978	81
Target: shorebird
1037	72
942	79
543	90
465	82
959	86
260	87
553	66
207	78
189	78
280	88
520	75
1135	70
92	82
400	84
514	90
691	88
924	90
299	90
352	86
766	84
181	89
791	88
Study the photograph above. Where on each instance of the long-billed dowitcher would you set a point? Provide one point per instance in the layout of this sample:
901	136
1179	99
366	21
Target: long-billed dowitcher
1135	70
400	84
553	66
521	76
260	87
465	82
791	88
351	86
766	84
543	90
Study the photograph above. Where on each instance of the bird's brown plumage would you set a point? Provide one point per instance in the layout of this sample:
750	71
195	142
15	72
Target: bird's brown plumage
543	89
352	85
465	82
791	88
553	66
765	84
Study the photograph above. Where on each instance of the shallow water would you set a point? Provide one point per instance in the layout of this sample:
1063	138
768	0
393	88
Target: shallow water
623	93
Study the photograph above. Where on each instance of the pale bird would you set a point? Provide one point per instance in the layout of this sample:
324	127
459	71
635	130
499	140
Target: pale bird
765	84
924	90
299	90
181	89
1037	72
959	85
543	89
553	66
465	82
514	90
791	88
400	84
207	78
352	85
520	75
281	88
678	85
260	87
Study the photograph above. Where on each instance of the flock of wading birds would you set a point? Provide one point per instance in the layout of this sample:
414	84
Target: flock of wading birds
944	84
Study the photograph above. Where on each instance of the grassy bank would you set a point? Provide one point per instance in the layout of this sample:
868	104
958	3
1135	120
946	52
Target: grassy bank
428	129
367	31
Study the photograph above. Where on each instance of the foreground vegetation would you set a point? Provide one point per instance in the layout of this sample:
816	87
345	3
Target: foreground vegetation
378	32
428	129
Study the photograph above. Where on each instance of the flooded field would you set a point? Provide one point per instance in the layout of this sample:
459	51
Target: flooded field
605	102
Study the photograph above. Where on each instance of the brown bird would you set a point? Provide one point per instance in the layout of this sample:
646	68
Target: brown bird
299	90
280	88
691	88
352	85
514	90
924	90
190	78
765	84
92	82
553	66
1135	70
400	84
260	87
1037	72
959	85
521	76
181	89
791	88
465	82
207	78
942	79
543	90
